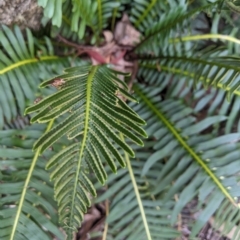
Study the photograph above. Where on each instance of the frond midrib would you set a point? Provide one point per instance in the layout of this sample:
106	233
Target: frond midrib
183	143
145	13
27	61
85	134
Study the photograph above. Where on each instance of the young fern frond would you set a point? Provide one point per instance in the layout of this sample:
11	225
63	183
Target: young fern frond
95	112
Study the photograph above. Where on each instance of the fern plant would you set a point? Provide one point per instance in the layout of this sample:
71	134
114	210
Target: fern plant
130	84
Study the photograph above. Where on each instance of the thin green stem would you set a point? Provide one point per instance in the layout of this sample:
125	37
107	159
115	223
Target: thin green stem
203	37
25	187
106	224
137	193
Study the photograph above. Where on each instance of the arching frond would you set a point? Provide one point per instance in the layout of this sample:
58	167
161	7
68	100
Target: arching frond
218	71
194	161
23	65
158	33
89	96
27	210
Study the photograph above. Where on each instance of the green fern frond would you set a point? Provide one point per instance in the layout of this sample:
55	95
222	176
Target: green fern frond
196	156
159	33
146	13
30	206
89	95
21	66
218	71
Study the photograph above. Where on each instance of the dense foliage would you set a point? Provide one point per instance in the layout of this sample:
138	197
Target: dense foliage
137	108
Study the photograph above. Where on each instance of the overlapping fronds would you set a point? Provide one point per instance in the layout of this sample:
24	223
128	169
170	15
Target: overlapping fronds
78	15
227	219
28	210
105	10
194	145
203	165
210	102
94	14
90	97
174	21
65	28
23	65
125	219
83	15
146	13
210	68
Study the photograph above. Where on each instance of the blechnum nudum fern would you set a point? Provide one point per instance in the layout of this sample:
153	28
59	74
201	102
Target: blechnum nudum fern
159	98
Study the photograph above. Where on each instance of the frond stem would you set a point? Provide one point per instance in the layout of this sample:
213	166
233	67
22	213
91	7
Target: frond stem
24	191
92	72
137	193
27	61
106	224
203	37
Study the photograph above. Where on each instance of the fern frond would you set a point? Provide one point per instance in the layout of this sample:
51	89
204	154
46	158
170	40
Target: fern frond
21	69
218	71
159	33
198	159
146	13
26	192
89	95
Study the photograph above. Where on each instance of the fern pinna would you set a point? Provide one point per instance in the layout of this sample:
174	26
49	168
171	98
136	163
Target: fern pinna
90	97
